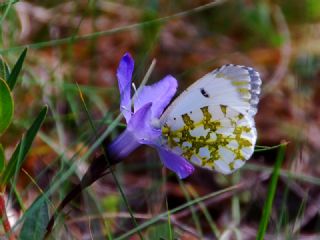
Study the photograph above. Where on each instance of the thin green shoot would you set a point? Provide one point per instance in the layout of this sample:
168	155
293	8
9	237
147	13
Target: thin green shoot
271	193
194	215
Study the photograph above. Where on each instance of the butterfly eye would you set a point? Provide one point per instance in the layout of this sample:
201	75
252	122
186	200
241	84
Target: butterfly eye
204	93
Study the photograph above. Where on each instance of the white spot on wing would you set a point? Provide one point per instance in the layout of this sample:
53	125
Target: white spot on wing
238	164
226	155
233	144
175	123
199	131
215	112
204	152
222	166
186	144
225	130
247	152
196	116
213	136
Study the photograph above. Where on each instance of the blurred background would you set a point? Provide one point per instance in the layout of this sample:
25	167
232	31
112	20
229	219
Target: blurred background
81	42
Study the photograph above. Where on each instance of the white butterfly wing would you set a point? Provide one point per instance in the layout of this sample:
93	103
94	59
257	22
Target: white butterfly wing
232	85
211	123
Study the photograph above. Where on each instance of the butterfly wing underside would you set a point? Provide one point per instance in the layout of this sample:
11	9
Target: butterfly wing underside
211	123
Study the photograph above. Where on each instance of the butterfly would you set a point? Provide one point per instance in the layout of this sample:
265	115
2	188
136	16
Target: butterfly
211	123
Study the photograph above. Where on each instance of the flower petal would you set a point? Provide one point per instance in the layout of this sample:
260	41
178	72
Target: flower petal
124	75
160	94
140	125
123	145
175	163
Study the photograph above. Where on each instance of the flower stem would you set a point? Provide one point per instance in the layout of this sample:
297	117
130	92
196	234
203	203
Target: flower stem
4	218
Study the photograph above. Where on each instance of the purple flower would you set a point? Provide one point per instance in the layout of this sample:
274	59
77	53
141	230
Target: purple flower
143	125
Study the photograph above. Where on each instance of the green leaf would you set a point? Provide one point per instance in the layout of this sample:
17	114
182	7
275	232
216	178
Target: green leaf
36	220
4	69
23	148
6	106
16	70
2	158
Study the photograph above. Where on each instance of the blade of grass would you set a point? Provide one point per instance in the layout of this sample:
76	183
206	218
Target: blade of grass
2	158
7	6
4	69
206	213
301	212
193	212
22	149
175	210
35	222
6	106
55	185
6	3
60	180
169	222
271	193
284	173
12	79
115	30
19	200
235	202
283	218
